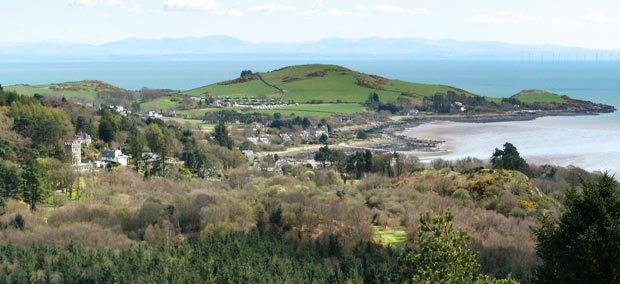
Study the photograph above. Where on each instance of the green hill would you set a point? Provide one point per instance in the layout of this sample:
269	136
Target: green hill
538	96
319	82
323	86
539	99
87	89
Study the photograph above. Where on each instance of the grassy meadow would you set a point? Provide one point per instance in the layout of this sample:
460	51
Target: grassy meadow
318	82
78	92
390	237
538	96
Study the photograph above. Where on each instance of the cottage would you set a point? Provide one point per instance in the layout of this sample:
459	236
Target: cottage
304	134
150	157
114	156
320	133
154	114
264	140
253	139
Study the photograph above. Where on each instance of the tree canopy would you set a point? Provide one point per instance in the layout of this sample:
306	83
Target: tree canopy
221	136
509	159
583	246
443	255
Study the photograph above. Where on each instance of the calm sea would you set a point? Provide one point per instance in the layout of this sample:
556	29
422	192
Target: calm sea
592	142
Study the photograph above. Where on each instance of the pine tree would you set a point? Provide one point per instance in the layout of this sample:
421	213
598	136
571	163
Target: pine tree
509	159
137	142
35	188
584	245
220	134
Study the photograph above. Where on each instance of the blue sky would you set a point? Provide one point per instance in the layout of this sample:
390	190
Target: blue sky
592	24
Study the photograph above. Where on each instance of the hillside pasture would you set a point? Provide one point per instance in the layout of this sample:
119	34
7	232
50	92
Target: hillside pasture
536	96
332	87
30	90
164	103
319	110
251	88
206	127
298	72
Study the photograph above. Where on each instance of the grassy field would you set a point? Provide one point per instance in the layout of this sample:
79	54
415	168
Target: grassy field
536	96
252	88
193	122
202	111
317	82
424	90
332	87
87	89
390	237
163	103
321	110
29	90
278	77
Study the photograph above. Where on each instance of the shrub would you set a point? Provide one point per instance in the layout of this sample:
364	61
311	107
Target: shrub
461	194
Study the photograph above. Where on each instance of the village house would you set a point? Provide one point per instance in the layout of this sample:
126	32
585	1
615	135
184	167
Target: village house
262	139
320	131
114	156
253	139
154	114
248	153
285	137
304	134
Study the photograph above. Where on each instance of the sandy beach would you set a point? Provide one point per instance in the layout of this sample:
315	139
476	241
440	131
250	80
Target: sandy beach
587	142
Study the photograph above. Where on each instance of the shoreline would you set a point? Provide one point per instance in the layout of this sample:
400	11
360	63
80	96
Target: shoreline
556	141
427	146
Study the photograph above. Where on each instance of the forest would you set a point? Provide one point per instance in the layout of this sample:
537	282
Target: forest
213	218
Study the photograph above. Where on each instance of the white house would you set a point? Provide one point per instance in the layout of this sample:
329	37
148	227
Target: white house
319	133
115	156
154	114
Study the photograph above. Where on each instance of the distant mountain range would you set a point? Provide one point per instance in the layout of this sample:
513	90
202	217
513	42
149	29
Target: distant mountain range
224	47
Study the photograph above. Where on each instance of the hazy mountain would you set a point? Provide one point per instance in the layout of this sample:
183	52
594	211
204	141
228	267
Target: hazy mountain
222	47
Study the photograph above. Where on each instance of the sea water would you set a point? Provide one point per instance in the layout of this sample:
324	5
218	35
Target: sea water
591	142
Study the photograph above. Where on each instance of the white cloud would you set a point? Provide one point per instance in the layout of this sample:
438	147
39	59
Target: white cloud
318	5
361	8
211	6
319	9
598	18
91	3
230	12
561	23
483	19
179	5
135	8
501	18
269	7
131	8
402	10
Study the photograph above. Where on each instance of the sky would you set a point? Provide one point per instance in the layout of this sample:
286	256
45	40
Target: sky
590	24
